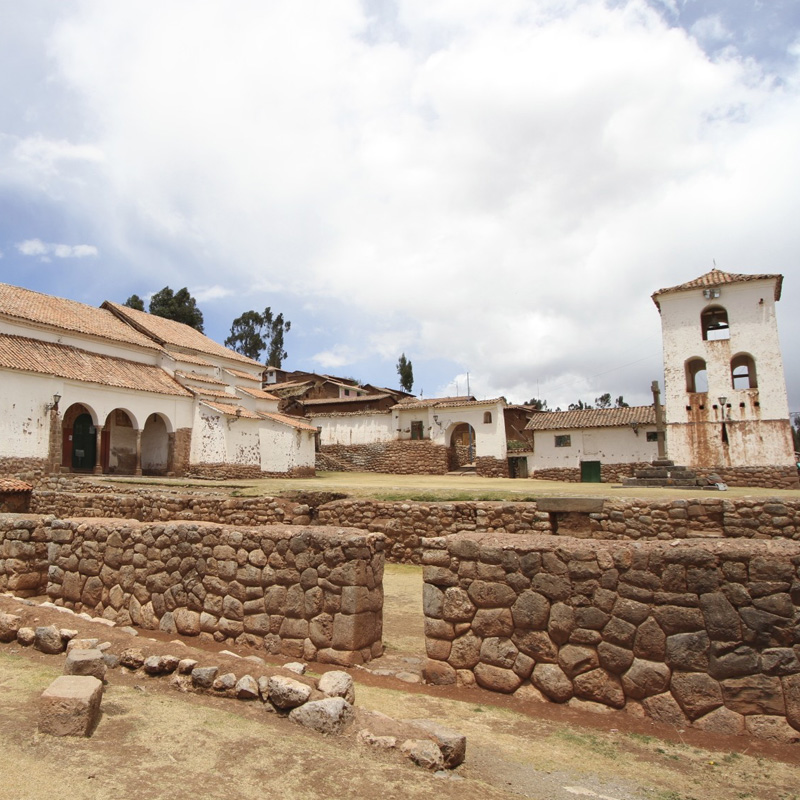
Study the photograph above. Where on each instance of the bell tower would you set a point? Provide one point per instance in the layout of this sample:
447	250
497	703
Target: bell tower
724	389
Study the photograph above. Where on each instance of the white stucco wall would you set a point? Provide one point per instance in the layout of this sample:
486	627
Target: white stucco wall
284	448
490	438
354	428
619	445
694	434
24	421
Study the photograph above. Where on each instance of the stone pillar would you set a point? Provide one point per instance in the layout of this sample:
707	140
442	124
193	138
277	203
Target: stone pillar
55	443
98	451
660	428
138	469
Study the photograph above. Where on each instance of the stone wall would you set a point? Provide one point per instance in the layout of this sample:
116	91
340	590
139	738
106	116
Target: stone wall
398	458
609	473
85	499
765	477
404	523
697	632
491	467
31	470
312	593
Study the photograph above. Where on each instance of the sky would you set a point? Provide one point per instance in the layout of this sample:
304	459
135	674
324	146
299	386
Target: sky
494	189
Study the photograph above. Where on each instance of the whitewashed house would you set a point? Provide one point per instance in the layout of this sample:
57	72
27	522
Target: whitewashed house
591	445
114	390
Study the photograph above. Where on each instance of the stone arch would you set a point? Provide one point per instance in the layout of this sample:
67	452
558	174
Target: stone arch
696	375
119	443
743	372
714	324
461	445
79	438
157	436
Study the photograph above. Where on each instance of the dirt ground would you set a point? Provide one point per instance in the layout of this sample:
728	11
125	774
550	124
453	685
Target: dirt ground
155	742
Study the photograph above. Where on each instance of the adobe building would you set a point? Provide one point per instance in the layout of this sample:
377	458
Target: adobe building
725	400
112	390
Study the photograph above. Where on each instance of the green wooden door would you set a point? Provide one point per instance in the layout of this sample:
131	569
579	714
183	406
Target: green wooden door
590	471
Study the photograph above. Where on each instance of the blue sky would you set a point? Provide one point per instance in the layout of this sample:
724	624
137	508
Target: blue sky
492	188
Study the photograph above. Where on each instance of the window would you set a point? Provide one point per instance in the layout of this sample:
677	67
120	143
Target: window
714	324
416	430
487	416
564	440
696	375
743	372
652	436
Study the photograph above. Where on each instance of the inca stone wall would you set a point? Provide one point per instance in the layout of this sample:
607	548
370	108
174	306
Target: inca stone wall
313	593
397	457
491	467
766	477
609	473
697	632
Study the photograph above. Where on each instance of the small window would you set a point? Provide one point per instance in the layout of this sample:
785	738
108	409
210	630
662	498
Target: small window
714	324
743	372
417	430
347	393
652	436
564	440
696	375
487	417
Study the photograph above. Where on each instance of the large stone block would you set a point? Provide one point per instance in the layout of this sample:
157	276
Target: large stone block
354	631
70	706
85	662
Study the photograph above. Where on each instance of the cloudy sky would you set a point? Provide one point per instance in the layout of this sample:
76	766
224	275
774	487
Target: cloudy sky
493	188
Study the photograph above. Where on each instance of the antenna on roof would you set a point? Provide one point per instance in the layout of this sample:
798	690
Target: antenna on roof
714	262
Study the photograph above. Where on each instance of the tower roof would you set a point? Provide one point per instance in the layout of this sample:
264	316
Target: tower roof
719	278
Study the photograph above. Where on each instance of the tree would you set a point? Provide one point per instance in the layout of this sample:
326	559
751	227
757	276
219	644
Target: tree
135	302
579	406
604	401
254	331
537	404
406	372
620	402
179	306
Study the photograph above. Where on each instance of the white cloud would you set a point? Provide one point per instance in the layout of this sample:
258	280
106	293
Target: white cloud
36	247
205	294
498	186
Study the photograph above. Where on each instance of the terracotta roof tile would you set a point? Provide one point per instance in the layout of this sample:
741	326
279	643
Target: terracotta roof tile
63	361
245	375
591	418
196	376
68	315
364	398
13	485
169	332
719	278
187	359
201	391
448	402
257	393
230	410
284	419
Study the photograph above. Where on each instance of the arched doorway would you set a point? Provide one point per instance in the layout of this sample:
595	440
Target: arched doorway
155	446
79	439
462	445
118	444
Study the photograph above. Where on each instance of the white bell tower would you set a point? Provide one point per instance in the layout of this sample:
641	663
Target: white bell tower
724	389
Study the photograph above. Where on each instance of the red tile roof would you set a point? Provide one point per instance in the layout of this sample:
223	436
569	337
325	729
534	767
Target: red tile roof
719	278
363	398
13	485
63	361
284	419
68	315
246	375
448	402
257	393
591	418
168	332
230	410
196	376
